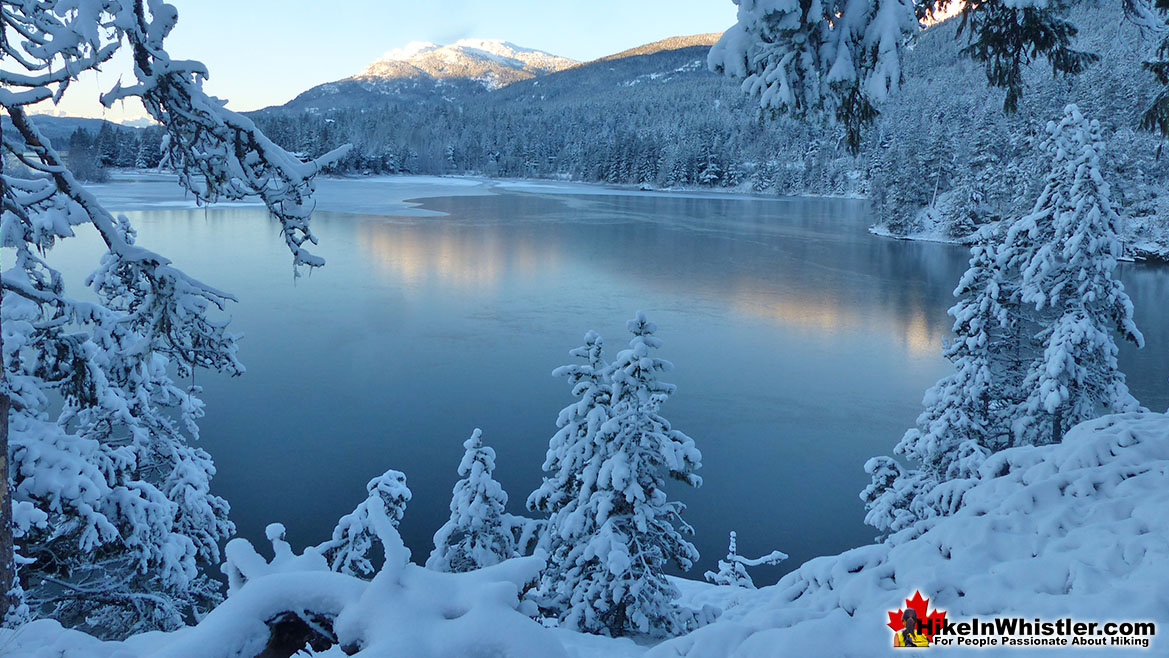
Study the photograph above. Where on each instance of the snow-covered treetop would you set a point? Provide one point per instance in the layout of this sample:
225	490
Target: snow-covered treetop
840	59
1066	249
732	570
479	532
375	518
219	153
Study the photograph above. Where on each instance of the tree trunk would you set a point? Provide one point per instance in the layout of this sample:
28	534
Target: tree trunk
1056	426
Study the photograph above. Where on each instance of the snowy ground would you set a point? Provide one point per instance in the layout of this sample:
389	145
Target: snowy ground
1075	530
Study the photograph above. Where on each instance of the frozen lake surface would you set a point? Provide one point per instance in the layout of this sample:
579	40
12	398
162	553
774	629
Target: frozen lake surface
802	344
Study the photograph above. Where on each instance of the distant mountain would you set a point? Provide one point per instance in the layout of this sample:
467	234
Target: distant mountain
58	129
673	43
425	72
490	62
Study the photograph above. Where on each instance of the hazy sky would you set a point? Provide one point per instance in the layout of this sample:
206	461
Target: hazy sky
264	52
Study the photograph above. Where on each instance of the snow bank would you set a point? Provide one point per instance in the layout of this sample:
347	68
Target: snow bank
1077	529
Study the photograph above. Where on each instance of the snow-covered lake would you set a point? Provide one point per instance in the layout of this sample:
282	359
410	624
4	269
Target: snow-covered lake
802	344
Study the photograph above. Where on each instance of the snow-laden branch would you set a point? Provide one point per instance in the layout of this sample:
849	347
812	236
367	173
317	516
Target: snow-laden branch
109	493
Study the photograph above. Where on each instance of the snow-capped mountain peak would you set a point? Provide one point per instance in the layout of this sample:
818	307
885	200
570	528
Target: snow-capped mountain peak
410	50
492	62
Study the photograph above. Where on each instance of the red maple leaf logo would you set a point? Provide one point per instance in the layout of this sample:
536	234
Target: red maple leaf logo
930	622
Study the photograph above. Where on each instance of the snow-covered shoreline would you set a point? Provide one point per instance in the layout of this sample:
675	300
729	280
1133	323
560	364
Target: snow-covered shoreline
405	188
1145	251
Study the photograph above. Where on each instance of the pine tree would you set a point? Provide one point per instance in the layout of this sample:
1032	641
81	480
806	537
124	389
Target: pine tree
1065	253
616	573
571	467
968	413
348	550
732	571
478	533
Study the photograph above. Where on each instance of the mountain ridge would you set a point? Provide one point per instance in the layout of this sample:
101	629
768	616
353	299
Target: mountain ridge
428	73
492	62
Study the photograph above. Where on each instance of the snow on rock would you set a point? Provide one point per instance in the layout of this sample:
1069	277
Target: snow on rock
421	613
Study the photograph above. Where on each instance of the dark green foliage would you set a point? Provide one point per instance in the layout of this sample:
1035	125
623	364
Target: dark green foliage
1007	39
84	158
1156	118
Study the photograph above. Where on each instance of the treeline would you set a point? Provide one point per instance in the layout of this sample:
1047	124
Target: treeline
666	123
90	155
663	121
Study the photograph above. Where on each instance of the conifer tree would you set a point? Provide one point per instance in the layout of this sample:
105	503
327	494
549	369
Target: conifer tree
732	570
613	530
1065	254
571	468
348	550
622	586
967	413
478	533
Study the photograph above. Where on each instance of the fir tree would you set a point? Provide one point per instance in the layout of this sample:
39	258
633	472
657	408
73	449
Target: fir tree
967	413
732	571
478	533
571	467
1065	253
616	578
348	550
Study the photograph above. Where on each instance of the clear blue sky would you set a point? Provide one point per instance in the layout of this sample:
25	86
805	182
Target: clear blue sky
264	52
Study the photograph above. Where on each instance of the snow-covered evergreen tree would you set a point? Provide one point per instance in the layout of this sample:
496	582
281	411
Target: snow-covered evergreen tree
570	470
613	542
840	59
347	551
112	514
478	533
1065	253
732	570
833	57
969	412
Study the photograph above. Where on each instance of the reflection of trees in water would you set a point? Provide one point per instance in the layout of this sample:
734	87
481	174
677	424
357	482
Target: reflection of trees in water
804	264
1148	368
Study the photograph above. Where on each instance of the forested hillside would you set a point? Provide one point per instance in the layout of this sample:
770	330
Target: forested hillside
941	157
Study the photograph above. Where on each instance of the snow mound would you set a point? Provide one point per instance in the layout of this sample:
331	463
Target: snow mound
1075	529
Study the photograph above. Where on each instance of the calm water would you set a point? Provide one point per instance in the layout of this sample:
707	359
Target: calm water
802	346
